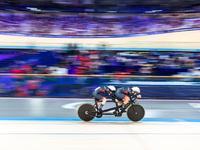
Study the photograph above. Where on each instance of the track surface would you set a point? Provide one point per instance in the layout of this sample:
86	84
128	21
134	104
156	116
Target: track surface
66	109
53	124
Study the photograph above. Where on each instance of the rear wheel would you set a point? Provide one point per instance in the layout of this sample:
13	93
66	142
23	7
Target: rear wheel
86	112
135	112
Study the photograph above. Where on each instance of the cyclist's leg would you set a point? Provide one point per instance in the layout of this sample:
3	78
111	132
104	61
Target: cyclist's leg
123	102
126	100
115	112
120	103
97	101
97	98
101	100
121	97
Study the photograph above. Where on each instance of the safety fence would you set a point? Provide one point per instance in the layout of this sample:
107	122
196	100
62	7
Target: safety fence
55	85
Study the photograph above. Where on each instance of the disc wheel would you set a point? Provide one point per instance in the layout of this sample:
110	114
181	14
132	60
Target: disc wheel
135	112
86	112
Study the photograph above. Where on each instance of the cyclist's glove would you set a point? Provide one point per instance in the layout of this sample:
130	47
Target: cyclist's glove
133	97
112	97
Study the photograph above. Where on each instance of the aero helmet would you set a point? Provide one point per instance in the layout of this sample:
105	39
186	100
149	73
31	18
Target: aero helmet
112	88
136	89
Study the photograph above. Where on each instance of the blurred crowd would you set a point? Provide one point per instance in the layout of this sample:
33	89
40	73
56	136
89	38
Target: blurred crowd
101	62
90	24
72	61
52	65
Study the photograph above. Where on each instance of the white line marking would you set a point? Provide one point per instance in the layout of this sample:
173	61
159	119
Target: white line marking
195	105
72	105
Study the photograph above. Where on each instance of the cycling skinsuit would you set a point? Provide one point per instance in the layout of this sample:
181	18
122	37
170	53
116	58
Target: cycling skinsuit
123	92
100	92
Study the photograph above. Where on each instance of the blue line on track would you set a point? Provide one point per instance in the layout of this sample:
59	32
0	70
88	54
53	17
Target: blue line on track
99	120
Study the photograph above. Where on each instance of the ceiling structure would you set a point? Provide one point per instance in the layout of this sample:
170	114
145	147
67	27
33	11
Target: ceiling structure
116	6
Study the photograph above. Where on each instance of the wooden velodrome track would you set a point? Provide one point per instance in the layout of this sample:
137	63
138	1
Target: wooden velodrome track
53	124
188	40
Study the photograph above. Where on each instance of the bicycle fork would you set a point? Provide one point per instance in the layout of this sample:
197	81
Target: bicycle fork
135	111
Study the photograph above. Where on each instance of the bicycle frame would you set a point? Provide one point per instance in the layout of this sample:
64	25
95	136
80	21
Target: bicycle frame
131	102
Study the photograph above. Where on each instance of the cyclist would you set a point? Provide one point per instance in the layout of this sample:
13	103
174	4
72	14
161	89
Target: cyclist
124	94
101	93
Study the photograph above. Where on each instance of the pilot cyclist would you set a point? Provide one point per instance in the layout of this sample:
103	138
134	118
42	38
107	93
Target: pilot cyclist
124	94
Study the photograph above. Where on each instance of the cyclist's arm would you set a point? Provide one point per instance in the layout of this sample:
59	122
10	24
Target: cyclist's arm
135	96
113	97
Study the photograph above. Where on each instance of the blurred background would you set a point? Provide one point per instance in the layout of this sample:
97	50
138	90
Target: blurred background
67	48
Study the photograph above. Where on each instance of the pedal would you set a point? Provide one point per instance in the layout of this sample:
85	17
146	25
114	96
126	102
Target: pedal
115	112
99	114
119	114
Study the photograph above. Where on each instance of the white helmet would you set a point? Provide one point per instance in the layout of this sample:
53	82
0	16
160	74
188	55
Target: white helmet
112	88
136	89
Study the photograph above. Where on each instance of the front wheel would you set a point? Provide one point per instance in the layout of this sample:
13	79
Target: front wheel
86	112
135	112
